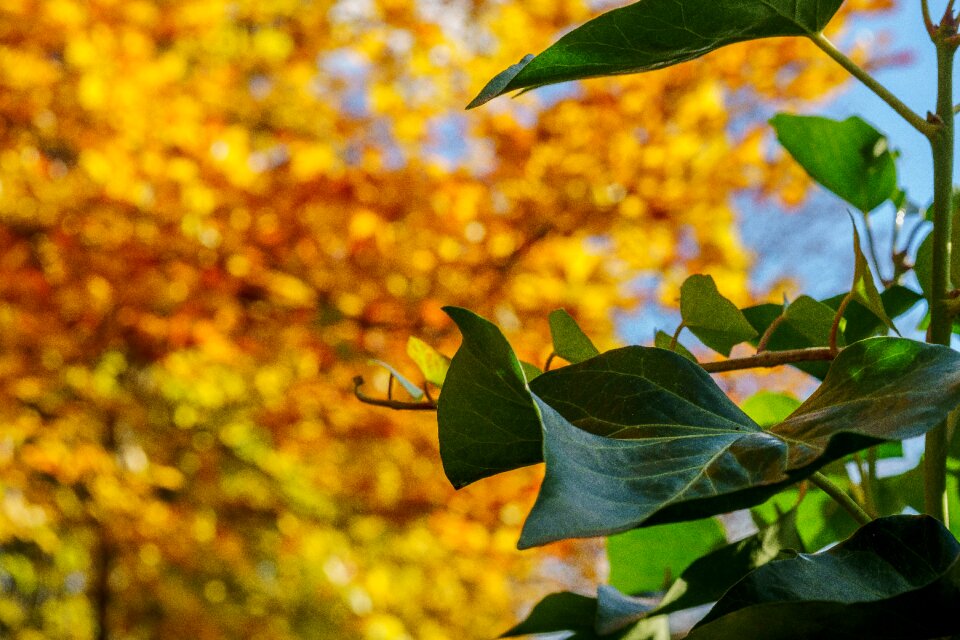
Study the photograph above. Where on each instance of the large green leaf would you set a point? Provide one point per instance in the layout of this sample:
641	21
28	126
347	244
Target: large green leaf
652	34
644	560
674	448
486	417
849	157
711	317
569	340
897	577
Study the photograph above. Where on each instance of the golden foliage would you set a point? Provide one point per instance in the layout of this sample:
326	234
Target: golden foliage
213	212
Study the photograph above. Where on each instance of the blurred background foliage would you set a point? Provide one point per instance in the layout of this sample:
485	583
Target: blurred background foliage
213	213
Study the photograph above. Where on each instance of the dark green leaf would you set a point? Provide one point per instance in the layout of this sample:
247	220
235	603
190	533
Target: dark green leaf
864	289
785	337
569	341
709	577
897	577
616	610
530	371
652	34
558	612
711	317
487	420
663	340
645	560
674	448
849	157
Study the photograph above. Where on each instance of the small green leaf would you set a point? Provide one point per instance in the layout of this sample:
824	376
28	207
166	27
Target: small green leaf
849	157
711	317
864	289
415	392
487	420
569	341
640	436
557	612
647	559
897	577
663	340
653	34
433	364
767	408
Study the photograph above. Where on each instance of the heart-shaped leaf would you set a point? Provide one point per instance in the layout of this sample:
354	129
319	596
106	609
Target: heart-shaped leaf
849	157
897	577
653	34
674	448
711	317
487	420
569	340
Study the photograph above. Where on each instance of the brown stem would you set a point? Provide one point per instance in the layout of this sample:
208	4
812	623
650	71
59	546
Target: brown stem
835	328
676	336
390	404
770	359
762	345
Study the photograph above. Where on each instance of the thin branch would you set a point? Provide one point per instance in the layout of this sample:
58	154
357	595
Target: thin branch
676	336
835	327
765	338
840	496
390	404
871	83
927	20
770	359
550	359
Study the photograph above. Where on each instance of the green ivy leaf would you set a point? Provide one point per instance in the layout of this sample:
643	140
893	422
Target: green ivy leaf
673	447
433	364
663	340
864	289
862	323
569	340
849	157
487	420
897	577
712	318
415	392
653	34
643	560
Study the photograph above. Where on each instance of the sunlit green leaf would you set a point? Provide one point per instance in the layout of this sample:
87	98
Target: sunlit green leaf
653	34
711	317
864	288
848	157
767	408
648	559
433	364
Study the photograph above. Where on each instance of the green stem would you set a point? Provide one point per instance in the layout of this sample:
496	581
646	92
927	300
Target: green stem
941	322
871	83
841	497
